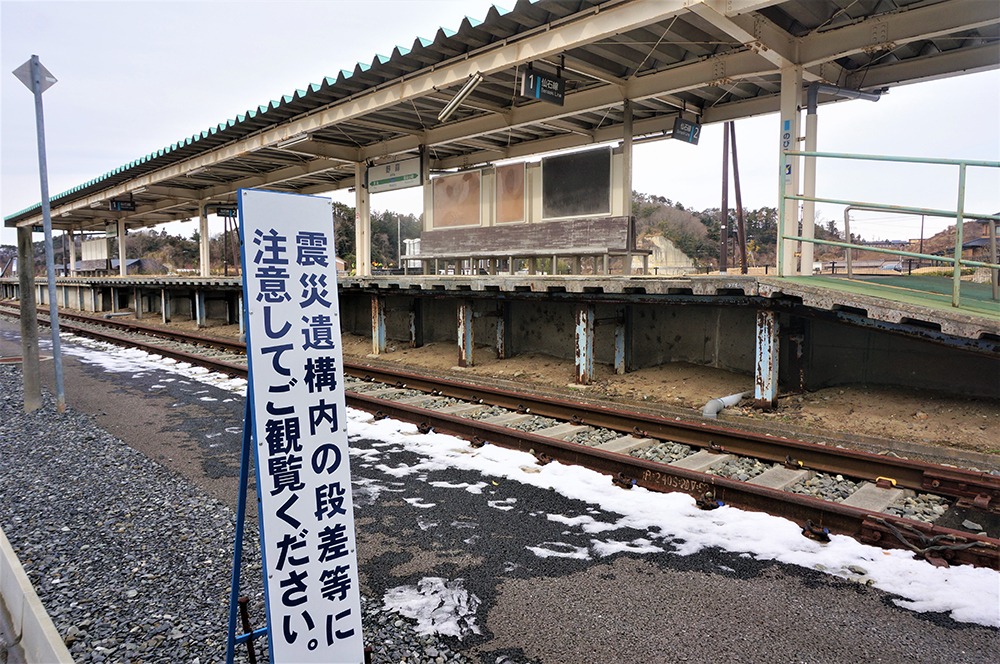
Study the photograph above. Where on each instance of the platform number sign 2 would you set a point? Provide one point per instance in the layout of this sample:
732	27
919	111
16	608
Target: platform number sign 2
296	392
687	131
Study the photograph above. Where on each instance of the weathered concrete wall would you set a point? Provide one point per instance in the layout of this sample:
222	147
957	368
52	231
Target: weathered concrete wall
814	353
840	354
721	337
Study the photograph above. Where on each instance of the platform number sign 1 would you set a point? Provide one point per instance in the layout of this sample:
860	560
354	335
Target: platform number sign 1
296	393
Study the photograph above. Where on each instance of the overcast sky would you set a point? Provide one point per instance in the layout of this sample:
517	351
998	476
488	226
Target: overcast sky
134	77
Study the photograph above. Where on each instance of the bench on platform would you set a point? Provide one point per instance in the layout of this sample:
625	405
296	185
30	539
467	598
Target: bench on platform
600	238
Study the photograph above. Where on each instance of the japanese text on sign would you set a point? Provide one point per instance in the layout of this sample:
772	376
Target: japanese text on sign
296	386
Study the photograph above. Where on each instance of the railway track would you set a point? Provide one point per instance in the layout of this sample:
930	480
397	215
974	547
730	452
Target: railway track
880	500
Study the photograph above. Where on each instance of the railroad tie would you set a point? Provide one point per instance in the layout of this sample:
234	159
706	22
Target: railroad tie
384	393
779	477
701	461
461	408
563	431
874	498
626	444
508	419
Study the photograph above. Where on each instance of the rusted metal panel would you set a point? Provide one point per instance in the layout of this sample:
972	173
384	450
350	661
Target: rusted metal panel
503	331
378	324
584	349
466	338
199	308
765	377
623	341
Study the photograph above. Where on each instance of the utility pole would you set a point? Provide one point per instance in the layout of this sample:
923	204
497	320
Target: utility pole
38	79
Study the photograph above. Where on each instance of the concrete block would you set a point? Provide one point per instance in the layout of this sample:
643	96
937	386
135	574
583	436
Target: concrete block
779	477
873	498
507	419
462	409
701	461
626	444
563	431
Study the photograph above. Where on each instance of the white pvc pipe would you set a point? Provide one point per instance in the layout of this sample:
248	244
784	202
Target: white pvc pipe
715	406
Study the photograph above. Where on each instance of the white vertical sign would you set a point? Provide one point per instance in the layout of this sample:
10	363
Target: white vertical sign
296	388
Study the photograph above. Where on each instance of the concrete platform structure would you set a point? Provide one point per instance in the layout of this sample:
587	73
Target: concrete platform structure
808	336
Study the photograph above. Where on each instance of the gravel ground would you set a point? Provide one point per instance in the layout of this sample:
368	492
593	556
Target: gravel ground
132	562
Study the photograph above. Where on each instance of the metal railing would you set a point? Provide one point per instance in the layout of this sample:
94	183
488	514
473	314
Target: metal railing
959	214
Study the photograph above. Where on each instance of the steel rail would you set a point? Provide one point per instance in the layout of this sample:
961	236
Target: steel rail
940	545
982	489
968	487
819	516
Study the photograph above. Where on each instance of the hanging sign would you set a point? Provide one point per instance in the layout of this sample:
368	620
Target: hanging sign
122	206
296	393
227	212
547	87
400	174
687	131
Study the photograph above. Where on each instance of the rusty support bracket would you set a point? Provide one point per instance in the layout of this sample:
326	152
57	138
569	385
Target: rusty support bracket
623	481
765	390
541	458
378	324
707	501
958	484
814	532
584	347
466	336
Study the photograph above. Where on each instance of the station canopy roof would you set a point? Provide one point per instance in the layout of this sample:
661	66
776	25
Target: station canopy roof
711	60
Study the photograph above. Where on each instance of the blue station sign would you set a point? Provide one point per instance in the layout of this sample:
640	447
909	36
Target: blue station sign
539	85
687	131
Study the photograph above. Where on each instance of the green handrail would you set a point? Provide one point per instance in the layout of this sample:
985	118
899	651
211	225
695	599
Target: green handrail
959	213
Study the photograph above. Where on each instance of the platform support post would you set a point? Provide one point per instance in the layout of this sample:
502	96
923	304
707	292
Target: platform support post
584	355
416	323
239	316
199	309
378	324
503	331
623	341
29	320
765	380
466	336
165	305
137	294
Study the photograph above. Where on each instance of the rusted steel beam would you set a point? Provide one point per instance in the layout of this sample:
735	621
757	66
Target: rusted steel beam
765	377
378	324
466	335
584	348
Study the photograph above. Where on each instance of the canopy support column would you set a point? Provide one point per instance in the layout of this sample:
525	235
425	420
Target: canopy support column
122	267
791	93
204	258
362	223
